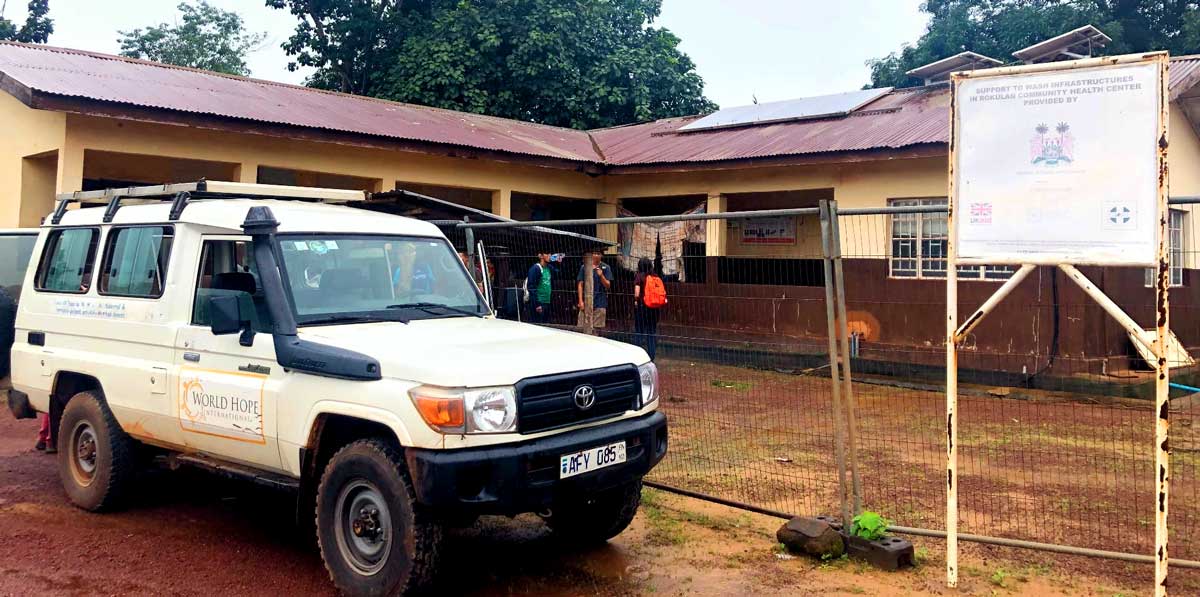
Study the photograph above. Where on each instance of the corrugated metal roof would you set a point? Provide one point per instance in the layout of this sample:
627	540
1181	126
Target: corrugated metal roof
900	119
72	73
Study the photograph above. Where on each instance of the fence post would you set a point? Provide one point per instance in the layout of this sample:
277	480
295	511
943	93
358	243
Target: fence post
835	383
589	296
951	394
843	329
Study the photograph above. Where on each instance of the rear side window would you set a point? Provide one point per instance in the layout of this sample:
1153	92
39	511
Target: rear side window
16	249
67	261
135	262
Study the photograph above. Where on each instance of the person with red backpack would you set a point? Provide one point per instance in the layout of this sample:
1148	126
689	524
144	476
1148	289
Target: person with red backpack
650	296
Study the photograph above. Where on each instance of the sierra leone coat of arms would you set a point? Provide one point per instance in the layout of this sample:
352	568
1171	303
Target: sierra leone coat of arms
1048	148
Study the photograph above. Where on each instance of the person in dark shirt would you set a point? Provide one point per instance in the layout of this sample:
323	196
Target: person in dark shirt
645	319
601	280
538	289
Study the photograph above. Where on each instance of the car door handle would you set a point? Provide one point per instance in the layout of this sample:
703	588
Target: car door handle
191	356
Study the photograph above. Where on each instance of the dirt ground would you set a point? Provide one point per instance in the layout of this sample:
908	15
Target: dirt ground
193	534
1036	466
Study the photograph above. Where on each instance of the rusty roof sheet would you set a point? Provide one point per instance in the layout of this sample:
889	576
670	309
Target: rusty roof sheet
900	119
72	73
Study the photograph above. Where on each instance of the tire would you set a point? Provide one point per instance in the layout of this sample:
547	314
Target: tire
596	519
374	537
96	459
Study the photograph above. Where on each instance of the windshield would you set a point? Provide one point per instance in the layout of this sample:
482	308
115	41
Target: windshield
337	278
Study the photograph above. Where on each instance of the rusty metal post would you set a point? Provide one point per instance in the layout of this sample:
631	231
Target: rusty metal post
843	327
589	295
839	443
952	350
1162	422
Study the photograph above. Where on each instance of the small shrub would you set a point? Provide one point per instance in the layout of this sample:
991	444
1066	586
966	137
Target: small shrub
1000	578
870	526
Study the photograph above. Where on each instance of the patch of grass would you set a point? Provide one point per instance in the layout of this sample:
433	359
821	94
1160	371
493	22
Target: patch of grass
999	578
833	563
664	529
740	386
920	556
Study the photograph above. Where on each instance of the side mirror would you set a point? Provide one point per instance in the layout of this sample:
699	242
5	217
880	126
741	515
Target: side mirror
225	315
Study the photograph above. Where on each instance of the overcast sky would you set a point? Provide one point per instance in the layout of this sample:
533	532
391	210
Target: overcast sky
772	49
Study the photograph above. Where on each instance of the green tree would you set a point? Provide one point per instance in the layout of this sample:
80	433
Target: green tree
997	28
37	27
207	38
577	63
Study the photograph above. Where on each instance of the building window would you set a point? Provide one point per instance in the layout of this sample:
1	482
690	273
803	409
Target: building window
1175	248
67	261
918	246
135	263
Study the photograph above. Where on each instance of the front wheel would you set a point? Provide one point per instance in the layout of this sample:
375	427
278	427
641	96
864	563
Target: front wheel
96	459
374	537
597	518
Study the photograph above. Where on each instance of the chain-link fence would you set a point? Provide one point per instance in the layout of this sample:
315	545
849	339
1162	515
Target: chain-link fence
1056	402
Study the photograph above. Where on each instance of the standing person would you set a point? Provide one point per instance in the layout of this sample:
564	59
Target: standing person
538	289
649	296
601	280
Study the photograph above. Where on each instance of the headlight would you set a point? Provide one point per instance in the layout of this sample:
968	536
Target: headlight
476	410
649	376
491	410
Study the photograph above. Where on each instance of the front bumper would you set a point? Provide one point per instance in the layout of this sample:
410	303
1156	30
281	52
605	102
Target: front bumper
523	477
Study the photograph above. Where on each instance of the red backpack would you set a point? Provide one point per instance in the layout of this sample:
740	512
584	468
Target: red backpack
654	295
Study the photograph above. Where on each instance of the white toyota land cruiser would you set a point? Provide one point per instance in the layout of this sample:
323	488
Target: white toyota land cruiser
342	352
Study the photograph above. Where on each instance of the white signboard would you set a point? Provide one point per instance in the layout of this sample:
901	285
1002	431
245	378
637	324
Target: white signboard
222	404
769	231
1058	166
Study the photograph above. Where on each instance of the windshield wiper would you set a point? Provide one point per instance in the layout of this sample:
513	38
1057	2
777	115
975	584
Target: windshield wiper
427	306
347	319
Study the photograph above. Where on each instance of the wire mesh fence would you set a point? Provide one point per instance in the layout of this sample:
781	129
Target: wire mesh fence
1056	411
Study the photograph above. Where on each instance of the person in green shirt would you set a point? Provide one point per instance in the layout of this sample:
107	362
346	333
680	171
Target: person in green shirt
538	289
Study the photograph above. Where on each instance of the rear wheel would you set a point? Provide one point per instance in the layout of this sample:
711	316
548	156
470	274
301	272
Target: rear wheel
374	537
596	518
96	459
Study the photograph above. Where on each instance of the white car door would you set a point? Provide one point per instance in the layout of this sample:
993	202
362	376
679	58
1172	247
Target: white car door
228	398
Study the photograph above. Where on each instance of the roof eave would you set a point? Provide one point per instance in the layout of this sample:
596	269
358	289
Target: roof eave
40	100
914	151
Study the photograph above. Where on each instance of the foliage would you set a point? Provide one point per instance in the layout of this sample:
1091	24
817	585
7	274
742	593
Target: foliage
577	63
997	28
37	27
207	38
1000	578
869	525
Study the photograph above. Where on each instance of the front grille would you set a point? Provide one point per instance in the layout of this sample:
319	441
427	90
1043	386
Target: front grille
549	402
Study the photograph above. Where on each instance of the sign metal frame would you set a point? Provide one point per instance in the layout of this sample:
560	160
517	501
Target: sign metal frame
955	332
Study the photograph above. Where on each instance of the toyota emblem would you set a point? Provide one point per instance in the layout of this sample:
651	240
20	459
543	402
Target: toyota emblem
585	397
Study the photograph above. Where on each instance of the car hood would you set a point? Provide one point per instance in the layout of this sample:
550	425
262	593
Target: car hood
473	351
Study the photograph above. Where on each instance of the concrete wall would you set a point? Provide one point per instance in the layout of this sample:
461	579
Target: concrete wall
27	134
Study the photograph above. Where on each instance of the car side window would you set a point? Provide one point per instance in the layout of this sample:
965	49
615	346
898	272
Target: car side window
135	261
67	260
227	269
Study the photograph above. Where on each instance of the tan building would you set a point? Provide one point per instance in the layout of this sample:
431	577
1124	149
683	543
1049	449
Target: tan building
76	120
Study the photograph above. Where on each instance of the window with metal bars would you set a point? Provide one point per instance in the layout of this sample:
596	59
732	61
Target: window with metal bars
918	245
1175	257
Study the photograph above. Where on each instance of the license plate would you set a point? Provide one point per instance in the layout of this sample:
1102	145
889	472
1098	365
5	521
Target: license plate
590	460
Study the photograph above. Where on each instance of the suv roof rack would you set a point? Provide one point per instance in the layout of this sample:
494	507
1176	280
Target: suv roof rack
180	194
